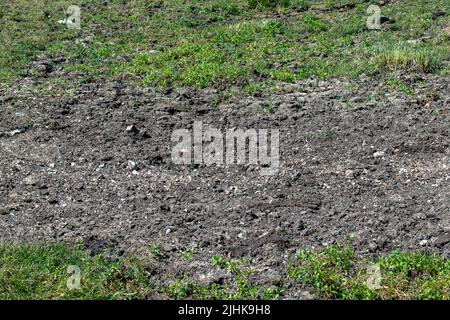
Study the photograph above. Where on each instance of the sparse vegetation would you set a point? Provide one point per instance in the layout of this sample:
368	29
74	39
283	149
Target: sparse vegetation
404	57
188	254
328	133
268	109
239	288
267	3
219	43
338	273
399	85
41	272
155	252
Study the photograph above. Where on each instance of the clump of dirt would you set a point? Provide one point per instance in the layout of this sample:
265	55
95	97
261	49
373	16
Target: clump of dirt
355	160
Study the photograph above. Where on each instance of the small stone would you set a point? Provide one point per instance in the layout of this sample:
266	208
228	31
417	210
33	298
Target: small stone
217	276
349	173
131	165
307	295
132	129
420	216
413	41
106	158
31	180
373	247
79	186
378	154
146	134
423	242
167	247
382	242
295	176
300	225
39	69
14	132
392	234
442	240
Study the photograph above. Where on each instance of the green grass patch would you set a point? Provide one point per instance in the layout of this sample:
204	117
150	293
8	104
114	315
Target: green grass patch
339	273
47	272
221	43
42	272
399	85
404	57
27	29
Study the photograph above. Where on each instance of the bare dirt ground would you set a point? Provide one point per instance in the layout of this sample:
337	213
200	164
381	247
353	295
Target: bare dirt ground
354	163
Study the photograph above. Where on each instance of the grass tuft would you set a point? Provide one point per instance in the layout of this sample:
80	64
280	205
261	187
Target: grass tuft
403	57
338	273
267	3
